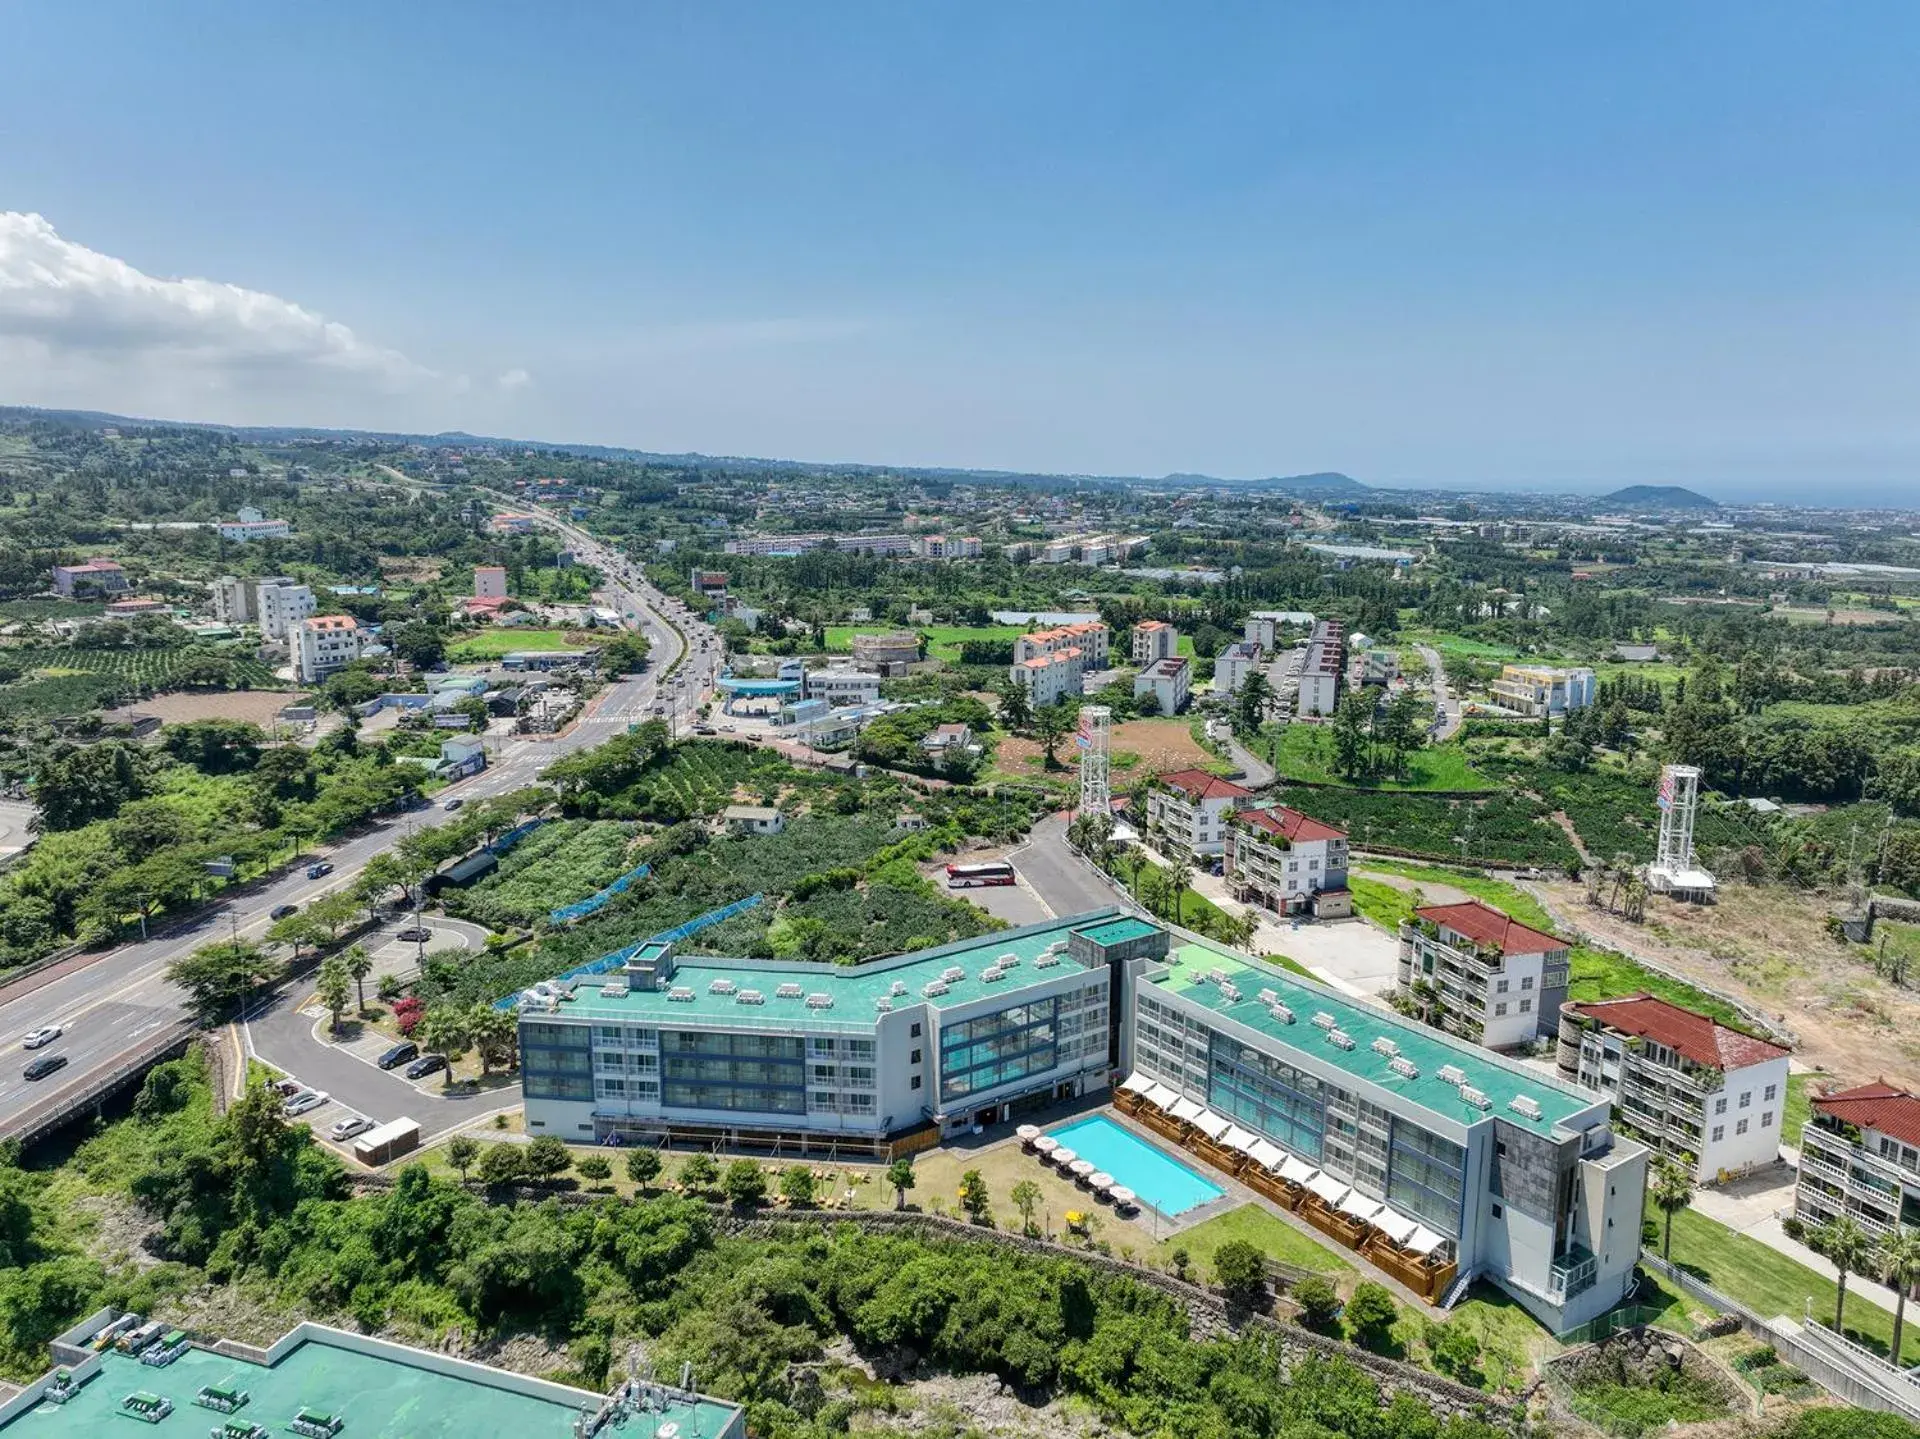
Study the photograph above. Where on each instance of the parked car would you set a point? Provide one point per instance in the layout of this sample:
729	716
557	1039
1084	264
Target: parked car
306	1099
281	911
703	729
43	1066
453	803
426	1064
347	1128
44	1035
286	1088
320	869
400	1053
415	934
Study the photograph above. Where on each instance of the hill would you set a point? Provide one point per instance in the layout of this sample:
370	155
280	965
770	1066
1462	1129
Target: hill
1660	497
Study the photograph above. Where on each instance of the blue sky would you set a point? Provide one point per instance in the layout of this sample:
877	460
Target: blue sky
1471	244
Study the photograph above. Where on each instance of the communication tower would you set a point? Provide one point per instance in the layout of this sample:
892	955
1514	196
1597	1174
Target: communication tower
1095	738
1676	869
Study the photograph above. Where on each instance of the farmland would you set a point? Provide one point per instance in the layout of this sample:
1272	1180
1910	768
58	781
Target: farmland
492	644
148	670
556	865
1304	753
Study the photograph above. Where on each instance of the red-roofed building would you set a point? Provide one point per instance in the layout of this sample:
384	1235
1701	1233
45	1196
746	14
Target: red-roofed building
1481	974
1860	1155
1708	1094
97	576
1187	811
1286	861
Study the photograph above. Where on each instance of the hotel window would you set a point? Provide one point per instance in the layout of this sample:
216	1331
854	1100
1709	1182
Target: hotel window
1746	1098
1770	1091
1719	1132
1766	1119
1720	1105
1527	982
1526	1006
1741	1127
1500	986
1499	1009
914	1058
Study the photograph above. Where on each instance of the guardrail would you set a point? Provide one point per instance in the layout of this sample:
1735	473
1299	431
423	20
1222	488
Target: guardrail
41	1119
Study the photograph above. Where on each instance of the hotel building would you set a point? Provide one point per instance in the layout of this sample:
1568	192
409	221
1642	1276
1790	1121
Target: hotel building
1711	1096
1540	690
1187	811
1860	1156
1442	1162
1288	862
1482	975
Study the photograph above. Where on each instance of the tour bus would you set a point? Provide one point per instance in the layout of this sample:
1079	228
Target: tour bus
961	876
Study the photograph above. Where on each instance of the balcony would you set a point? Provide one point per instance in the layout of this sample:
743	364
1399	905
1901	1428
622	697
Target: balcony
1572	1274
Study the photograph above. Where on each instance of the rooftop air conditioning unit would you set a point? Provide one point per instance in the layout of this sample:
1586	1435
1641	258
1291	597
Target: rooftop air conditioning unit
1280	1012
722	986
1267	996
1008	960
1217	976
1385	1046
788	991
612	991
750	996
1230	991
1046	961
883	1004
680	994
819	1001
934	988
898	988
992	974
1525	1104
1339	1039
1404	1067
1477	1098
1452	1074
953	974
1323	1020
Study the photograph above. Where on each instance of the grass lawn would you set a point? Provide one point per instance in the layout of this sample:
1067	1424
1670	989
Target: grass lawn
1507	898
1595	974
1305	752
1799	1108
1260	1227
1769	1282
1382	903
943	641
491	644
1194	909
1512	1341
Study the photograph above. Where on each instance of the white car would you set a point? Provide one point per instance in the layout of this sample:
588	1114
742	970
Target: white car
46	1034
347	1128
305	1100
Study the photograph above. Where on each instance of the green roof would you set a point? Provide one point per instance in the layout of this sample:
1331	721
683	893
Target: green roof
1119	931
1187	971
853	988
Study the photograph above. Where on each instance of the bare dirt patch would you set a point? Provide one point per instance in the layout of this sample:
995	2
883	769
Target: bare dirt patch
257	706
1768	946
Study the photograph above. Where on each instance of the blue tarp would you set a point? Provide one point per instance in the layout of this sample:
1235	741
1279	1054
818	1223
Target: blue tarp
567	914
619	957
513	836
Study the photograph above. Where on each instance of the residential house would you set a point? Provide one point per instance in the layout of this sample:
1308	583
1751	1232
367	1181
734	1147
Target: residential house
1287	862
281	602
1860	1156
324	644
97	576
753	819
1170	682
1483	975
1154	640
1541	690
1187	811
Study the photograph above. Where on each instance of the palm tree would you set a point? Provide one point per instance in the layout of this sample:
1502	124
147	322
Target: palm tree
1179	877
1671	1191
359	965
1849	1249
1900	1267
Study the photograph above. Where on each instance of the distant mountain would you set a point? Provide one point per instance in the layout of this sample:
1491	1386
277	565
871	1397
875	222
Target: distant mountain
1326	483
1659	497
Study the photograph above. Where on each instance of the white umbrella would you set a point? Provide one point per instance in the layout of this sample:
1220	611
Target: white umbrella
1064	1157
1046	1144
1100	1179
1080	1168
1028	1131
1122	1195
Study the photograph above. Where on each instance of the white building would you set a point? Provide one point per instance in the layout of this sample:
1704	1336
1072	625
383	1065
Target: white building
1320	670
1710	1095
1541	690
1264	626
1381	666
841	685
1170	682
253	525
1050	678
753	819
1483	975
1235	665
281	603
489	582
1860	1155
1154	640
1187	811
233	600
1287	862
325	643
950	547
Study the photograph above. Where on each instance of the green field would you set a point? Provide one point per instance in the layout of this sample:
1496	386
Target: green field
1799	1108
1265	1231
1305	753
943	641
148	668
491	644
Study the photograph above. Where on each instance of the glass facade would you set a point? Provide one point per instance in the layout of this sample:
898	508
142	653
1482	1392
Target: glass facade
1267	1094
556	1060
752	1072
995	1049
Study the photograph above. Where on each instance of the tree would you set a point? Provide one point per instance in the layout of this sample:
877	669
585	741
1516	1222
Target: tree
1849	1249
643	1165
626	653
1371	1313
359	965
382	873
219	976
1250	704
1016	710
1350	721
1671	1191
548	1157
1026	1198
796	1184
700	1173
900	1177
335	987
1050	726
1241	1272
744	1184
462	1151
974	1198
503	1164
1179	880
297	929
494	1034
1900	1267
1319	1301
443	1030
595	1167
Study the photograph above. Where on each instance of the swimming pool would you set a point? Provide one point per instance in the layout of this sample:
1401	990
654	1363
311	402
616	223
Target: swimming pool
1157	1180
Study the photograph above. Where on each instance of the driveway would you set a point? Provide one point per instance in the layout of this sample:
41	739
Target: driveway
1349	955
1443	696
1062	881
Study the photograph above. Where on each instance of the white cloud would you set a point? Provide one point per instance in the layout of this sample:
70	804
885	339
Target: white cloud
80	327
514	379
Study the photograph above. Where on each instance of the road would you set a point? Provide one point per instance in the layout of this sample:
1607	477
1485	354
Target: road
110	1003
1443	698
1065	883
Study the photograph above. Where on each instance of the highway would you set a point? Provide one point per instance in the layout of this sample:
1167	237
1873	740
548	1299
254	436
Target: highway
112	1003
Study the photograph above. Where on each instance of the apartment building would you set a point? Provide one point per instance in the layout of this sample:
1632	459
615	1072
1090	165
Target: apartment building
740	1049
245	530
1092	638
489	582
1379	667
1049	678
1154	640
97	576
324	644
1483	975
233	600
1264	627
1170	682
950	547
1710	1096
280	604
883	546
1287	862
1187	811
1440	1161
1541	690
1235	665
1860	1156
1322	668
